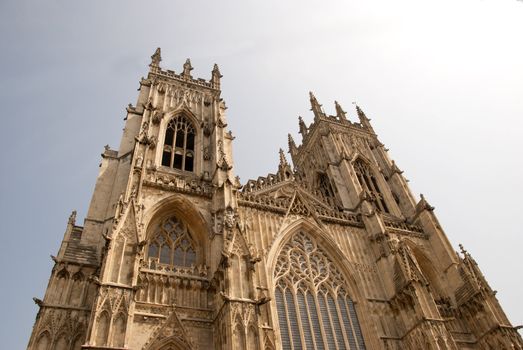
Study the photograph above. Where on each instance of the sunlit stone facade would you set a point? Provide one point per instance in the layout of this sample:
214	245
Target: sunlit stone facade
332	252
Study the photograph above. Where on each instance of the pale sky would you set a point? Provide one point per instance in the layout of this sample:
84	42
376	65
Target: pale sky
441	80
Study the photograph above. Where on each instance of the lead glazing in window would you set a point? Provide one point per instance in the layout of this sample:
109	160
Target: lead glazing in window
369	183
314	310
171	245
178	147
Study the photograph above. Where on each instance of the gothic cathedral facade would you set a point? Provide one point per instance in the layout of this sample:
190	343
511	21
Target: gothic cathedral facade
331	252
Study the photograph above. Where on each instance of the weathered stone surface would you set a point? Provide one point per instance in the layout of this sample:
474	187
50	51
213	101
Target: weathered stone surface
331	252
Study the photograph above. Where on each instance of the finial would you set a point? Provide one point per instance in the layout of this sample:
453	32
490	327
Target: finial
72	218
216	75
156	58
303	127
187	68
463	251
340	113
315	106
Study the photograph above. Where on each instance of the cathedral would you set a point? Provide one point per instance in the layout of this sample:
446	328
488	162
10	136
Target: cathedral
330	251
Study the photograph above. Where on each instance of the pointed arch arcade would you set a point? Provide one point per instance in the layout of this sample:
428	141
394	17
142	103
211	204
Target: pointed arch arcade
314	308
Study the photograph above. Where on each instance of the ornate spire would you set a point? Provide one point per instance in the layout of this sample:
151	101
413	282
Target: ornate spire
156	58
216	75
187	68
303	127
340	113
315	106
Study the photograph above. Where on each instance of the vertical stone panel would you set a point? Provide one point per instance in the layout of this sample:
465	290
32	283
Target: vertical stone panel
102	331
119	330
61	344
43	341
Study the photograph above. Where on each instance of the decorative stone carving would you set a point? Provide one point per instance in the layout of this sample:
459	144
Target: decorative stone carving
157	117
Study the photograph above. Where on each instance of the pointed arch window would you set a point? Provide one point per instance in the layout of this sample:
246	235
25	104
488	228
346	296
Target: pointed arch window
178	147
314	310
369	183
171	245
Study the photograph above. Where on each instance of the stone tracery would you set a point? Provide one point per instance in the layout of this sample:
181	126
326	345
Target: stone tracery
178	149
310	294
171	244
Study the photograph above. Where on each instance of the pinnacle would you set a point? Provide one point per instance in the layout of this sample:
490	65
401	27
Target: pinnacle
216	72
187	65
156	57
289	137
340	113
187	68
283	160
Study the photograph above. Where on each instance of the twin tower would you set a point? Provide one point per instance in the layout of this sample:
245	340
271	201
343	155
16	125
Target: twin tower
333	252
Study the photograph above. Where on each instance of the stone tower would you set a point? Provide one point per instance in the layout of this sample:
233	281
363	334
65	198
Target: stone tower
333	252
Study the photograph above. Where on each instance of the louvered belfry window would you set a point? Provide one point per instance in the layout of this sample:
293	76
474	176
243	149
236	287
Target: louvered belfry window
178	147
313	306
369	183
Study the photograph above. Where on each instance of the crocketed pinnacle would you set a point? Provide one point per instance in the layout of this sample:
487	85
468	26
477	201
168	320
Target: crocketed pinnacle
315	106
283	160
303	127
340	113
292	144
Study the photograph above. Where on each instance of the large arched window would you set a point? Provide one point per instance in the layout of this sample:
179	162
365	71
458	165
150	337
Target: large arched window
171	245
313	306
178	147
370	184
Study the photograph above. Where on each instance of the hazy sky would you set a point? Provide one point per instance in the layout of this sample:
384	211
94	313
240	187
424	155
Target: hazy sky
441	80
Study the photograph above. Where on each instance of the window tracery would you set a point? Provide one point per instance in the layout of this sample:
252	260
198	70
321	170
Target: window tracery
178	147
369	183
314	309
171	245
